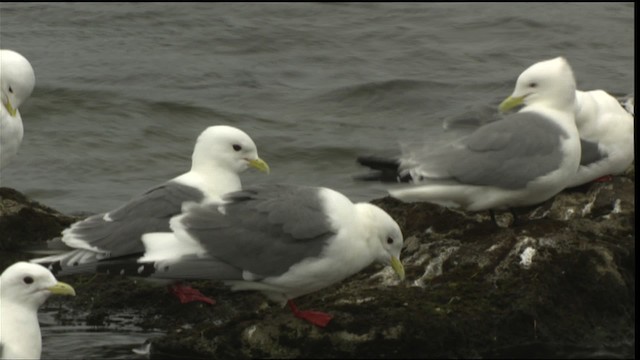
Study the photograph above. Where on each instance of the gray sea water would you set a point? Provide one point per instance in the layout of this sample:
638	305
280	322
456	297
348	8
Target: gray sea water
123	90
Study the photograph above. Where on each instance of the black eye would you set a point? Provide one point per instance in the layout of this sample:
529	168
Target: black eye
389	241
27	279
10	90
533	85
237	147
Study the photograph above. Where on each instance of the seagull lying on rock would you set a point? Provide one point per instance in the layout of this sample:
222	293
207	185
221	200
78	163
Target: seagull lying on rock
283	240
220	155
606	134
523	159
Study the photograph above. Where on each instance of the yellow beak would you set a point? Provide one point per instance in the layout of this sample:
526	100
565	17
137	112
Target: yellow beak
260	165
510	102
10	108
62	289
397	267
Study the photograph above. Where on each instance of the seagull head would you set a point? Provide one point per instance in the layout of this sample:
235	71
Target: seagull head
549	82
387	236
226	148
17	80
30	285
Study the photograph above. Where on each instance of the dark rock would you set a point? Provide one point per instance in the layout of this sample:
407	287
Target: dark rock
24	222
559	283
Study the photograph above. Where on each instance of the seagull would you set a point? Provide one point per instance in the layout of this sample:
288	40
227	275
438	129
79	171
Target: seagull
283	240
605	125
221	153
522	159
606	134
17	81
24	287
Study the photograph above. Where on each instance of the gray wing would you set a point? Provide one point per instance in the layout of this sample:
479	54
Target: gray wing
149	212
264	230
590	152
507	153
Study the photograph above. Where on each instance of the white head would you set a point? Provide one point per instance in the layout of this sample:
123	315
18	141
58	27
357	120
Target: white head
387	234
17	80
226	147
549	82
30	285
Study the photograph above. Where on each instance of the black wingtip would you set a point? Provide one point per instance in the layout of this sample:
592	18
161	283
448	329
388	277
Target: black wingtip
128	267
55	267
385	170
371	176
379	163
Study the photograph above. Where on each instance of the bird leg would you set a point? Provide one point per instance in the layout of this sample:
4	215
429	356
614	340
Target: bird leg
604	179
493	217
515	217
315	317
187	294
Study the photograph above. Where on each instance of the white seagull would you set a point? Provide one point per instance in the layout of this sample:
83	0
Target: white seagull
606	133
24	287
221	153
283	240
523	159
17	81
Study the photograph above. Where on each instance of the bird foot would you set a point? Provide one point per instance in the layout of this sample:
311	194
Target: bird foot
604	179
315	317
187	294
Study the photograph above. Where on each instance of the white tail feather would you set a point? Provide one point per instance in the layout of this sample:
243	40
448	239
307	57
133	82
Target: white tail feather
79	256
166	246
450	196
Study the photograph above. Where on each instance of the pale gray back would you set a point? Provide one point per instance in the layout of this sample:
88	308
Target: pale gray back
507	153
149	212
265	229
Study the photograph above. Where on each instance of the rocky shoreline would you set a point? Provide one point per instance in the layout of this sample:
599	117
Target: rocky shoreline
558	283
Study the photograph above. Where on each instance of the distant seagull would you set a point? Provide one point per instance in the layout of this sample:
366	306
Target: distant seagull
606	134
523	159
605	125
24	288
17	81
283	240
220	155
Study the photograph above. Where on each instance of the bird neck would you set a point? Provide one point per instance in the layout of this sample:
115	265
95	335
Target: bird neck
22	320
583	107
560	108
214	182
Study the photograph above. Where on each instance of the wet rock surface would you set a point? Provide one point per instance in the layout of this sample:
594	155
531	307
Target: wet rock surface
560	282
